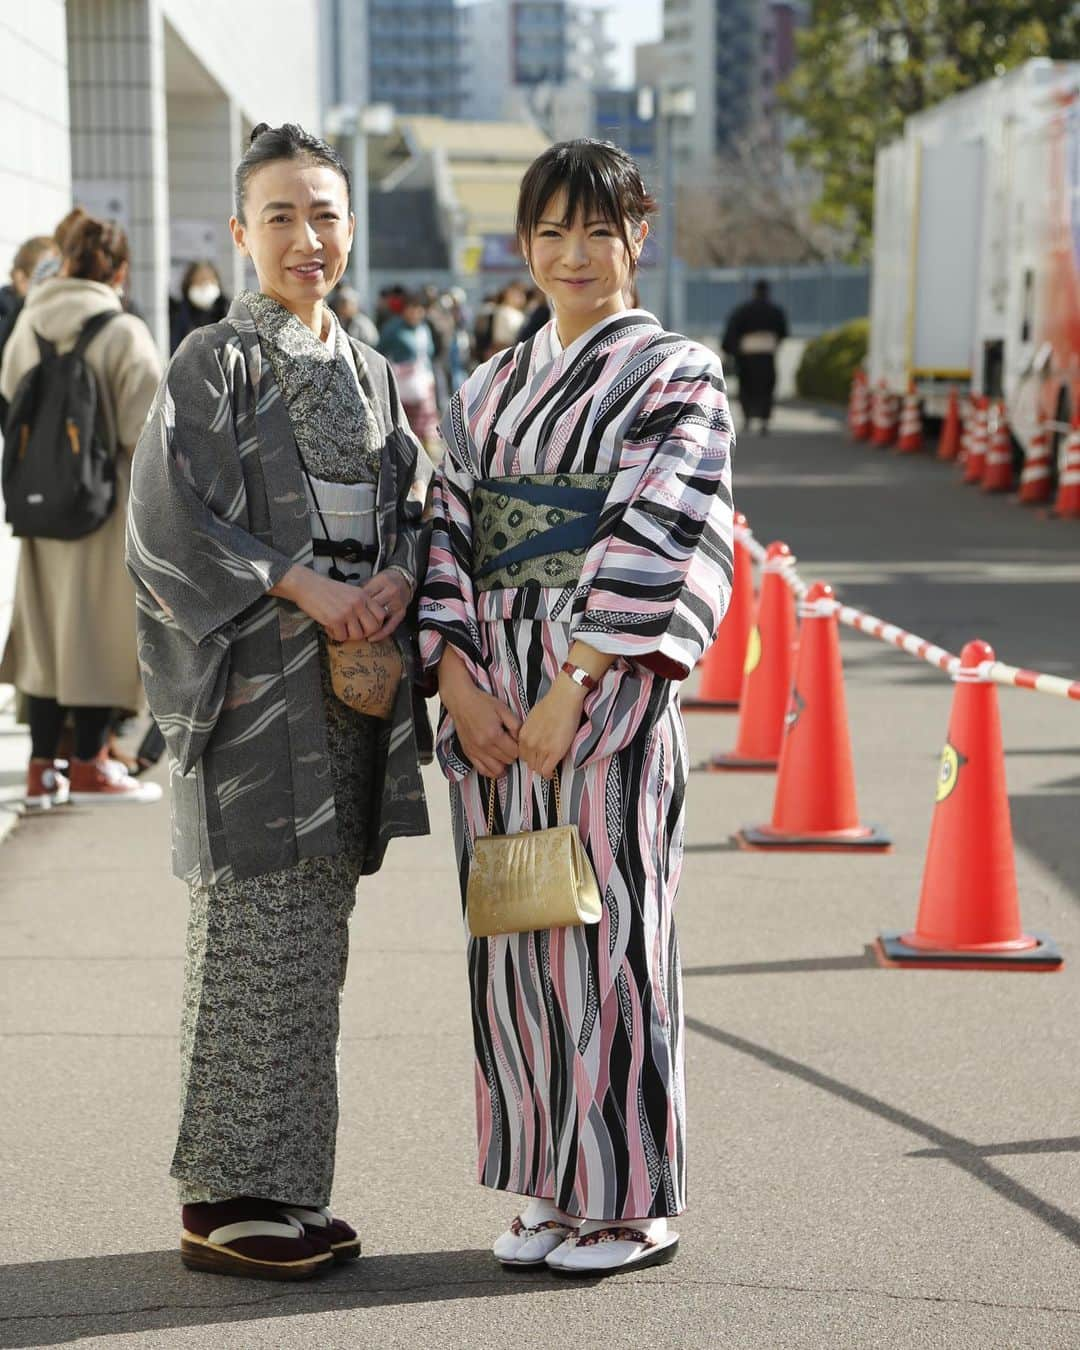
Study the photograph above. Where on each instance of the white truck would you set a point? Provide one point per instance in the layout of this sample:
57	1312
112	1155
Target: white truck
976	266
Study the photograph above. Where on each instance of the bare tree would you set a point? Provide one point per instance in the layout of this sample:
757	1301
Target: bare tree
754	207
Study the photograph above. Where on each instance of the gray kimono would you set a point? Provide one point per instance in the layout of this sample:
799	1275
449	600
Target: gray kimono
218	514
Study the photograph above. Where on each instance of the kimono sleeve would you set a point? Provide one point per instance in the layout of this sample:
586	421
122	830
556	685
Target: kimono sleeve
659	580
447	599
187	545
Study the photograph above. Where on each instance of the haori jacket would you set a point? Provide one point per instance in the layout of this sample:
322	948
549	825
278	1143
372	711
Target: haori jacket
218	514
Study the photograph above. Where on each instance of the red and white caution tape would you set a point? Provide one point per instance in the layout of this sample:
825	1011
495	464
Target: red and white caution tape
995	671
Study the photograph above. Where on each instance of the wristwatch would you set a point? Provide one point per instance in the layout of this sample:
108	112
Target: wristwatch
580	676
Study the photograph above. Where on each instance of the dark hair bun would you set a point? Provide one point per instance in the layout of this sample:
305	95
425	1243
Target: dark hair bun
95	249
256	132
285	142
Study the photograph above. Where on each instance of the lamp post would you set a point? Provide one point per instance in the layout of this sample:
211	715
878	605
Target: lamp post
351	126
675	103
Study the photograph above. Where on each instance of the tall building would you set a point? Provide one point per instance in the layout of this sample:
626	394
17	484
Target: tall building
416	59
536	58
733	54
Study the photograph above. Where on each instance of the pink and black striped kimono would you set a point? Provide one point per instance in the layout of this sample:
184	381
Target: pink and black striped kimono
617	451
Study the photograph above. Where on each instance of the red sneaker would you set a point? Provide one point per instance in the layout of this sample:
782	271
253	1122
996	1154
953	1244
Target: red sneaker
105	780
45	785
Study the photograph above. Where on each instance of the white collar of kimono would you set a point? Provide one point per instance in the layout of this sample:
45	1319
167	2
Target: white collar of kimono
555	349
550	358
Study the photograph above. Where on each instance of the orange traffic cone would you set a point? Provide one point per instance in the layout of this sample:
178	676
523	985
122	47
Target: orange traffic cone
998	465
766	684
884	432
949	443
977	438
814	806
1067	504
1035	484
911	430
969	913
722	669
860	423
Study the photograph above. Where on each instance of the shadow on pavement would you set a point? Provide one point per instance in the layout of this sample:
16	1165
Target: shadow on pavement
57	1302
866	961
1044	823
951	1148
1070	1144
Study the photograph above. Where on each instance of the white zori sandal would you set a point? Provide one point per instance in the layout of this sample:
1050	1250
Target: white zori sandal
610	1250
522	1246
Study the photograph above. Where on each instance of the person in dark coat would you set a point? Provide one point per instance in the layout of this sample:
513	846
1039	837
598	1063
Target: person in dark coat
13	296
201	302
753	335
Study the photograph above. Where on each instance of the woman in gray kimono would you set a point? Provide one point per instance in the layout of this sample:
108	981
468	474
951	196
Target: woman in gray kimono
277	502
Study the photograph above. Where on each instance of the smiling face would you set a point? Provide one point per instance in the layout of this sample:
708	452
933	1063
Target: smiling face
297	230
582	265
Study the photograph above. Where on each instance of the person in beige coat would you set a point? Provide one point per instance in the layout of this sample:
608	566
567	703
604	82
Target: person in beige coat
72	640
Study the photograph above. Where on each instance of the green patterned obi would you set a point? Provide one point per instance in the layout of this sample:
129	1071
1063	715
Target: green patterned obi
536	527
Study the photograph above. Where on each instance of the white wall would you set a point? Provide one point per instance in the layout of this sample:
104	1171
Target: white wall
35	158
264	53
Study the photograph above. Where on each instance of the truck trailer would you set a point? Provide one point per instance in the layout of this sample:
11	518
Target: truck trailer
976	265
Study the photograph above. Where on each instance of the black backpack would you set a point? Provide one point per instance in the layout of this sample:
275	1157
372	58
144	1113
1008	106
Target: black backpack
59	477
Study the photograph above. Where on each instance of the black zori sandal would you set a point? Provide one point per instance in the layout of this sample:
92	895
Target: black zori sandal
251	1238
320	1224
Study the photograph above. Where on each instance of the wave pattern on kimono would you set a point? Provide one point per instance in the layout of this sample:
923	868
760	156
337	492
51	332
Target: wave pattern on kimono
578	1031
231	673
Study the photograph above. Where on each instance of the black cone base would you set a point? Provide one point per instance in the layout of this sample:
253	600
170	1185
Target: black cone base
891	950
867	839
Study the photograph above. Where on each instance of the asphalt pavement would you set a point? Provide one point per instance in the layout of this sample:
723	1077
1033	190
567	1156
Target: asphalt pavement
878	1157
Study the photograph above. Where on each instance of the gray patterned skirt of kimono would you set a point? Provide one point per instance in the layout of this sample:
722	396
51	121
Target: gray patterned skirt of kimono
265	966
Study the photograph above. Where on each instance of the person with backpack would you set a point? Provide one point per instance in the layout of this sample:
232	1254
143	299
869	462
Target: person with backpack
80	376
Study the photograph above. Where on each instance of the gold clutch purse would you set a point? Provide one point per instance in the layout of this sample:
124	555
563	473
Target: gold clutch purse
523	882
365	675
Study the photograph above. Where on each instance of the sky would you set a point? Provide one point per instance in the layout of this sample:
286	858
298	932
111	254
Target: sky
631	22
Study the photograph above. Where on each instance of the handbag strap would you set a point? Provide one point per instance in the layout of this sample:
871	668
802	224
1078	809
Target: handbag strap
491	801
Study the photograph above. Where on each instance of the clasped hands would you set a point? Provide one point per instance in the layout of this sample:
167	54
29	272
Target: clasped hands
493	736
348	613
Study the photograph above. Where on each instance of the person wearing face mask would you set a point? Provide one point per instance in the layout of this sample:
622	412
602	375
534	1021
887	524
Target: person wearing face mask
201	302
580	565
277	506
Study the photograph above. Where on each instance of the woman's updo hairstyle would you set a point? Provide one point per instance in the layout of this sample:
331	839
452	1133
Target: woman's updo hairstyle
597	177
95	250
286	142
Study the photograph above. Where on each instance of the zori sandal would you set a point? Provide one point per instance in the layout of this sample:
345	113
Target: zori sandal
320	1224
527	1248
251	1239
610	1251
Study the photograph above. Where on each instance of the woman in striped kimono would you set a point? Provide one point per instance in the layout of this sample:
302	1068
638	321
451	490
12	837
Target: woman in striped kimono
580	565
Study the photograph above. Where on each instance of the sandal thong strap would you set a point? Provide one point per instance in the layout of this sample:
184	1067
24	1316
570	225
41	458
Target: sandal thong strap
549	1225
232	1232
309	1218
613	1234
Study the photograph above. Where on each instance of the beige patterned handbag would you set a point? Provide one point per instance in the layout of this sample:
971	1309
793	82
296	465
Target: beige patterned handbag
523	882
365	675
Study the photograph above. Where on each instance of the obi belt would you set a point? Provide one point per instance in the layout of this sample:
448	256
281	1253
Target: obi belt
536	528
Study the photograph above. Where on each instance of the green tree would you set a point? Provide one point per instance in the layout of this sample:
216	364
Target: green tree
865	65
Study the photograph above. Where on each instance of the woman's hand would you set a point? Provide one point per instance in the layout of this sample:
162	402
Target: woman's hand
487	729
347	612
550	728
389	592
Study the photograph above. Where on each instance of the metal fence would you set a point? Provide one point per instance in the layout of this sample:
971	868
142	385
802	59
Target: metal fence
815	298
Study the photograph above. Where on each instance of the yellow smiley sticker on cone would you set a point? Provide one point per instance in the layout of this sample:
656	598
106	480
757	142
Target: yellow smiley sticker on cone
952	761
753	651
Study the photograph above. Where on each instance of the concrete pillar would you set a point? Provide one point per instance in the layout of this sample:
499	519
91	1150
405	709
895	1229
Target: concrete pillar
204	147
116	73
